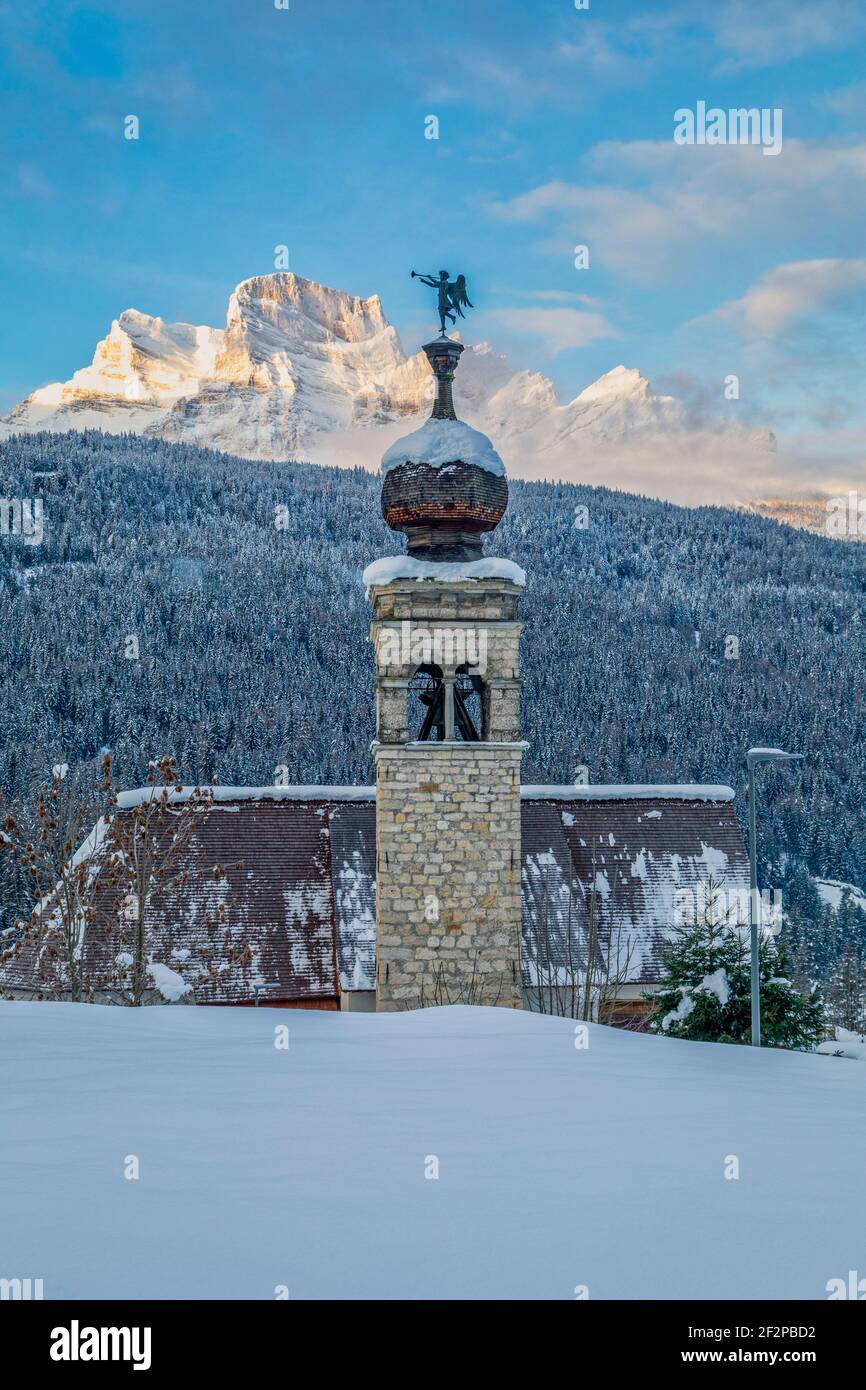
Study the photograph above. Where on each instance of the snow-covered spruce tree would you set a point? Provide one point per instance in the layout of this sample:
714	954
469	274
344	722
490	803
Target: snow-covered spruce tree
705	993
846	993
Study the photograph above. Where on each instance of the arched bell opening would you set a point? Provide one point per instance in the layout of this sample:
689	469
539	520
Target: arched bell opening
427	704
446	708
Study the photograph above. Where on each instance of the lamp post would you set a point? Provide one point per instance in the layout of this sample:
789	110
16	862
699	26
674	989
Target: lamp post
753	757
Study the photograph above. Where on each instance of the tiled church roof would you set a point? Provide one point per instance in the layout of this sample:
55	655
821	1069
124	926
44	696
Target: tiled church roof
297	917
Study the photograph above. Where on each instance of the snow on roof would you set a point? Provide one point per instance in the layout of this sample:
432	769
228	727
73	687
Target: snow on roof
137	796
391	567
294	908
629	791
439	443
600	791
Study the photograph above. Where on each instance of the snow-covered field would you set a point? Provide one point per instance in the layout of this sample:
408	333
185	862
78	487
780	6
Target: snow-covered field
558	1166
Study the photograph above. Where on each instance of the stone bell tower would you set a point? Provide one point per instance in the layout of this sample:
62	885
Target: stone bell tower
445	632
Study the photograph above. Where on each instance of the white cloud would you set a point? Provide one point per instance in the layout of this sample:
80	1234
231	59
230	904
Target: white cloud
549	296
752	35
592	54
651	209
558	329
796	291
557	74
848	103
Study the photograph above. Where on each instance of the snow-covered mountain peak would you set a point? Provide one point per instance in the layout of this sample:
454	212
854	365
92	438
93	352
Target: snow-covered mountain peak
281	297
190	349
305	371
621	383
139	369
293	335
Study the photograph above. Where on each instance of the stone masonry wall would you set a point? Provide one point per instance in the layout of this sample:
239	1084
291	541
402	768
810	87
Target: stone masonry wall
448	904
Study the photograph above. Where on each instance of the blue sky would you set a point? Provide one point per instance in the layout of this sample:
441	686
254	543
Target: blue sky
305	127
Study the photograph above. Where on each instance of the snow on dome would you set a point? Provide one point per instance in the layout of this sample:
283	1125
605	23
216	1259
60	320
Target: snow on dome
392	567
439	443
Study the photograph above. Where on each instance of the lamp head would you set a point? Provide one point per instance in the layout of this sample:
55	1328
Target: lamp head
772	755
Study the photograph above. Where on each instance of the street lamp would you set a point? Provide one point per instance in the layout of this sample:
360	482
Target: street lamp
753	757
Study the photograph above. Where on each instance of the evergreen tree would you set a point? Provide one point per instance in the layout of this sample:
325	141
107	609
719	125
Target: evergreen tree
847	991
705	991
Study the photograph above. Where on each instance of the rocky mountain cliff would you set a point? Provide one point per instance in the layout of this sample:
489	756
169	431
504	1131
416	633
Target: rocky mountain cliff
301	370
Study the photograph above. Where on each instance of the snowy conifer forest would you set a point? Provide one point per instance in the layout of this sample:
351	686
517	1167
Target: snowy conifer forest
184	601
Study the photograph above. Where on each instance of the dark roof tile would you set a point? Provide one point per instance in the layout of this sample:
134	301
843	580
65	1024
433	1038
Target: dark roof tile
297	917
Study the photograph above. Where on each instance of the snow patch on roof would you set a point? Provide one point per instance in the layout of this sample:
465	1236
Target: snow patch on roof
354	893
602	884
714	860
638	866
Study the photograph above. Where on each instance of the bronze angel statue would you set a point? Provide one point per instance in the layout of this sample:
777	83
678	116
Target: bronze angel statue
452	295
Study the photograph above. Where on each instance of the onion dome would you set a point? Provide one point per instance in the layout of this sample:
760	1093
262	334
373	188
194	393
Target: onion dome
443	485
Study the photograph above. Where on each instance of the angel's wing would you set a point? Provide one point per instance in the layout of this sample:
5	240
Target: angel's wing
459	297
